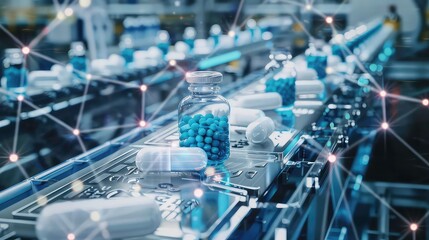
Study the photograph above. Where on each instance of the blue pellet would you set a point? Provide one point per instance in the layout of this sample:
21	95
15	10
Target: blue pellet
191	121
193	145
191	140
186	118
202	120
195	126
213	127
210	121
209	115
216	135
191	133
199	138
215	150
223	124
214	156
201	131
208	140
207	147
185	128
209	133
215	143
200	144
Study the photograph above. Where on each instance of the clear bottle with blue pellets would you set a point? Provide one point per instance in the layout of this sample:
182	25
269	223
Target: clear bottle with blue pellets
204	116
316	58
15	75
77	55
284	81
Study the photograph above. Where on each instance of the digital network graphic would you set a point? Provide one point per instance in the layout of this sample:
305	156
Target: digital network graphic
67	10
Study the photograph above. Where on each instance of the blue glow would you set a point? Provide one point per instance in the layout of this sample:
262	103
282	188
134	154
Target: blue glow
373	67
382	57
358	182
342	233
388	51
218	60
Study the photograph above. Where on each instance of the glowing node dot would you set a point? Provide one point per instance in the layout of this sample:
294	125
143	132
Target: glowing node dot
88	77
95	216
210	171
25	50
329	70
332	158
20	98
198	192
385	125
172	63
142	123
383	93
143	88
231	33
13	157
76	132
414	227
329	20
77	186
308	6
42	200
425	102
85	3
71	236
61	16
68	12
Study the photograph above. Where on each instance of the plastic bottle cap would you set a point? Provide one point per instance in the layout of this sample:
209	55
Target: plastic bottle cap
204	77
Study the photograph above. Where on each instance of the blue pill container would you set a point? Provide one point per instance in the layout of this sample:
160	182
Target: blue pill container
284	81
204	117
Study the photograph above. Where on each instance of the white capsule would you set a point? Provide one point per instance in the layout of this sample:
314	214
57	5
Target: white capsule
306	74
262	101
260	130
165	159
115	218
244	116
309	87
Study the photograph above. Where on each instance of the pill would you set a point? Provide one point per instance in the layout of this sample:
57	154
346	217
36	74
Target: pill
262	101
260	130
306	74
309	87
164	159
115	218
244	116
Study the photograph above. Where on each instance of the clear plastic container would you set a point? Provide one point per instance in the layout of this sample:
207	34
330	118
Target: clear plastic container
15	75
204	116
77	55
127	48
189	36
316	58
163	41
284	81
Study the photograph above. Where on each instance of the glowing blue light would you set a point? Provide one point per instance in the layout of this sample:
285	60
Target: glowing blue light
221	59
373	67
358	182
388	51
382	57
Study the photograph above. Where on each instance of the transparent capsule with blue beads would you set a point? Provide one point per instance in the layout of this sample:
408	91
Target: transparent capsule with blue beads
204	116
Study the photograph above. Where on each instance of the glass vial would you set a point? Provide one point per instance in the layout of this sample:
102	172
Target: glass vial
126	46
77	55
284	81
316	58
215	33
15	75
204	116
163	41
189	36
